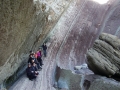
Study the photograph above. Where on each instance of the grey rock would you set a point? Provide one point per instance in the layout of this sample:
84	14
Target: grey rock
104	57
104	84
83	66
55	85
24	25
71	81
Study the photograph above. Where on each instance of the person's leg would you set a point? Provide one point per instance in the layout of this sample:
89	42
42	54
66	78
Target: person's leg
40	62
38	59
38	65
30	77
33	76
44	53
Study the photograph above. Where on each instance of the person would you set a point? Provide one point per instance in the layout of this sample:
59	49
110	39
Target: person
44	46
40	51
30	72
39	58
36	61
31	52
30	58
33	58
38	66
35	55
34	66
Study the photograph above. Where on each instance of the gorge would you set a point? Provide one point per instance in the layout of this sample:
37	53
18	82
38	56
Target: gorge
69	27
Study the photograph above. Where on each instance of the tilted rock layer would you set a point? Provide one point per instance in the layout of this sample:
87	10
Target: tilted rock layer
104	57
24	24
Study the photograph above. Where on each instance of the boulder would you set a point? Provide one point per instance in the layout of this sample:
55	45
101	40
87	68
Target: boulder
104	57
104	84
68	80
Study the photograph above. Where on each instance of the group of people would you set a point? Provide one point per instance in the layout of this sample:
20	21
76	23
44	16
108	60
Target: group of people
35	62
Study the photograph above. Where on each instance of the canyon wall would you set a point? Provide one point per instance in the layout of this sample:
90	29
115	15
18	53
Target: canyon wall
24	25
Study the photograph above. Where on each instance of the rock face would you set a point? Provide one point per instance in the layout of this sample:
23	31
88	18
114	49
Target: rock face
68	39
24	24
104	84
104	57
68	43
67	80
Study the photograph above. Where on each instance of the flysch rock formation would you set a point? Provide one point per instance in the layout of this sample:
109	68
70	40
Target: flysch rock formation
68	34
104	56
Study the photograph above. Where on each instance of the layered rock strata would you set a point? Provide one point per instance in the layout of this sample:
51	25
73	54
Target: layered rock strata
104	56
